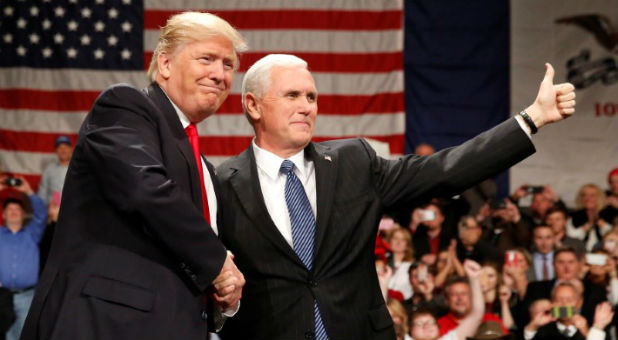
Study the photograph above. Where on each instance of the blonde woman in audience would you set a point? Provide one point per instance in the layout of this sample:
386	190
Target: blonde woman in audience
400	242
400	319
586	223
496	294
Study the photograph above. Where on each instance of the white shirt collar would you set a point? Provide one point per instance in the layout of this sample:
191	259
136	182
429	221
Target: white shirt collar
571	329
183	119
271	163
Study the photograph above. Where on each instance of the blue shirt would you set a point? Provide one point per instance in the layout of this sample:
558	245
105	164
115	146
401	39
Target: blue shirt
19	252
537	261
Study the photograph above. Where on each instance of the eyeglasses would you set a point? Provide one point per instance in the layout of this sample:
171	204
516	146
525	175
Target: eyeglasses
423	324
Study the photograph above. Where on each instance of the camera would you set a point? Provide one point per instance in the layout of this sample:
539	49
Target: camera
534	189
497	204
12	182
428	215
563	312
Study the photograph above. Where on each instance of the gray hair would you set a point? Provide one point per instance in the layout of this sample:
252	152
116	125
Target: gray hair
257	80
188	27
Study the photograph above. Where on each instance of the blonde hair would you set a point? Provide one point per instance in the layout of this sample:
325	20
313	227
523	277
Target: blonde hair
409	252
189	27
579	201
398	310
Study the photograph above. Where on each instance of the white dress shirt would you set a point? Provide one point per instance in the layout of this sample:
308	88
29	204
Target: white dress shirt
272	183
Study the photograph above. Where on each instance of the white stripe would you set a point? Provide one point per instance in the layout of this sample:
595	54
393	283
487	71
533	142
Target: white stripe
311	41
88	80
326	125
25	162
376	5
41	121
218	125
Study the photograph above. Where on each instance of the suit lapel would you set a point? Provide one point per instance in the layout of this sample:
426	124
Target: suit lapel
246	184
163	103
325	163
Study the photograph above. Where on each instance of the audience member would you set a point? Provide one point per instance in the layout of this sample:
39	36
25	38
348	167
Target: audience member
515	270
400	318
19	249
425	296
448	264
586	222
425	327
497	296
543	255
429	236
470	245
506	229
400	242
543	198
52	179
568	324
459	302
557	218
611	209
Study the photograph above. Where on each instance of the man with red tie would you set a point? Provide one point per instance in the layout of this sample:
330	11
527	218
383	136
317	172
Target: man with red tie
136	244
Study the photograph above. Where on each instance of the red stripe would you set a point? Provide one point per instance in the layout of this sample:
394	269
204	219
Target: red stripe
60	100
329	62
209	145
294	19
81	101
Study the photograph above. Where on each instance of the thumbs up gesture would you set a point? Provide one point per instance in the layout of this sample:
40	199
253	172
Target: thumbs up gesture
553	102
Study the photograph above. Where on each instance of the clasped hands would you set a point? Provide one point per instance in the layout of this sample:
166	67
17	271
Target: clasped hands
227	286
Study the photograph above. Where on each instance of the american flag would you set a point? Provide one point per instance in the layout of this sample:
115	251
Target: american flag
57	56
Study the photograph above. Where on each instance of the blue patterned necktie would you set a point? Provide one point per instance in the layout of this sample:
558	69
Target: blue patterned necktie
303	230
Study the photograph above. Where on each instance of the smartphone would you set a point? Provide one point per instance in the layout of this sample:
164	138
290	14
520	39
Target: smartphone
596	259
421	273
55	199
427	215
510	258
534	189
497	204
563	312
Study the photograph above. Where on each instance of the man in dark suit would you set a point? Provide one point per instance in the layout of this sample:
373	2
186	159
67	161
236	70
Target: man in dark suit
136	246
303	216
568	324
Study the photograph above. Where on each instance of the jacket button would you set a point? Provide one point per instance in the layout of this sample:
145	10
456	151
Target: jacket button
309	335
204	315
313	283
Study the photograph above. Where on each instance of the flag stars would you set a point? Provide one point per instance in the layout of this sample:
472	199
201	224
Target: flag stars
8	38
126	26
85	40
98	54
125	54
21	23
72	25
86	12
112	13
21	51
58	38
47	52
59	12
71	53
34	38
99	26
112	40
46	24
34	11
8	11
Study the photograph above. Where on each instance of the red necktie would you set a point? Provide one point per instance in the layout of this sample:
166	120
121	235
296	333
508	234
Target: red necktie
191	131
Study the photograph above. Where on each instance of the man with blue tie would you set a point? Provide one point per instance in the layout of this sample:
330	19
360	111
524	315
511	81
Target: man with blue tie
301	218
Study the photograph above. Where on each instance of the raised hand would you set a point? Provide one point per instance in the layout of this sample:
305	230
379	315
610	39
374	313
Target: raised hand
603	315
228	285
472	268
553	102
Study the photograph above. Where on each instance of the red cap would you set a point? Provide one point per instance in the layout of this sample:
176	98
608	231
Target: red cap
612	173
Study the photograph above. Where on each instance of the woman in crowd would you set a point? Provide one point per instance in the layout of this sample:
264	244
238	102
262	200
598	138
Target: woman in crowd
400	318
497	296
400	242
587	224
448	264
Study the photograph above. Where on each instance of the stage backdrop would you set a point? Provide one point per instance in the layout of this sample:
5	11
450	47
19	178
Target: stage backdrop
57	56
580	39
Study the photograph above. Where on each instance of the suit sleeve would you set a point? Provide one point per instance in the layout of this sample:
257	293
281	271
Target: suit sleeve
448	172
123	145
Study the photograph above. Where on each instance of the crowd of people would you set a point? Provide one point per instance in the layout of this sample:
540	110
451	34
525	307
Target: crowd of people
545	271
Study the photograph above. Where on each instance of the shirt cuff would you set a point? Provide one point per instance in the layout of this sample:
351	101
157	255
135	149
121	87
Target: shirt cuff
221	315
524	126
230	311
529	334
596	333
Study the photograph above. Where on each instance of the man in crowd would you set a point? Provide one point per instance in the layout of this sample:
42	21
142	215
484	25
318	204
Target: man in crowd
470	245
52	179
429	236
506	229
303	216
136	245
459	301
424	297
19	249
543	254
568	323
557	218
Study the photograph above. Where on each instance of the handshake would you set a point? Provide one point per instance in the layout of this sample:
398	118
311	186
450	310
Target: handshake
228	285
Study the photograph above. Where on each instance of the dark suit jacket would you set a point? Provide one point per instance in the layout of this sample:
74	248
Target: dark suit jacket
132	252
353	187
551	332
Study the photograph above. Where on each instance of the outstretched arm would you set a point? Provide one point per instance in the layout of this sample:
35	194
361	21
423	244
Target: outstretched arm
468	326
